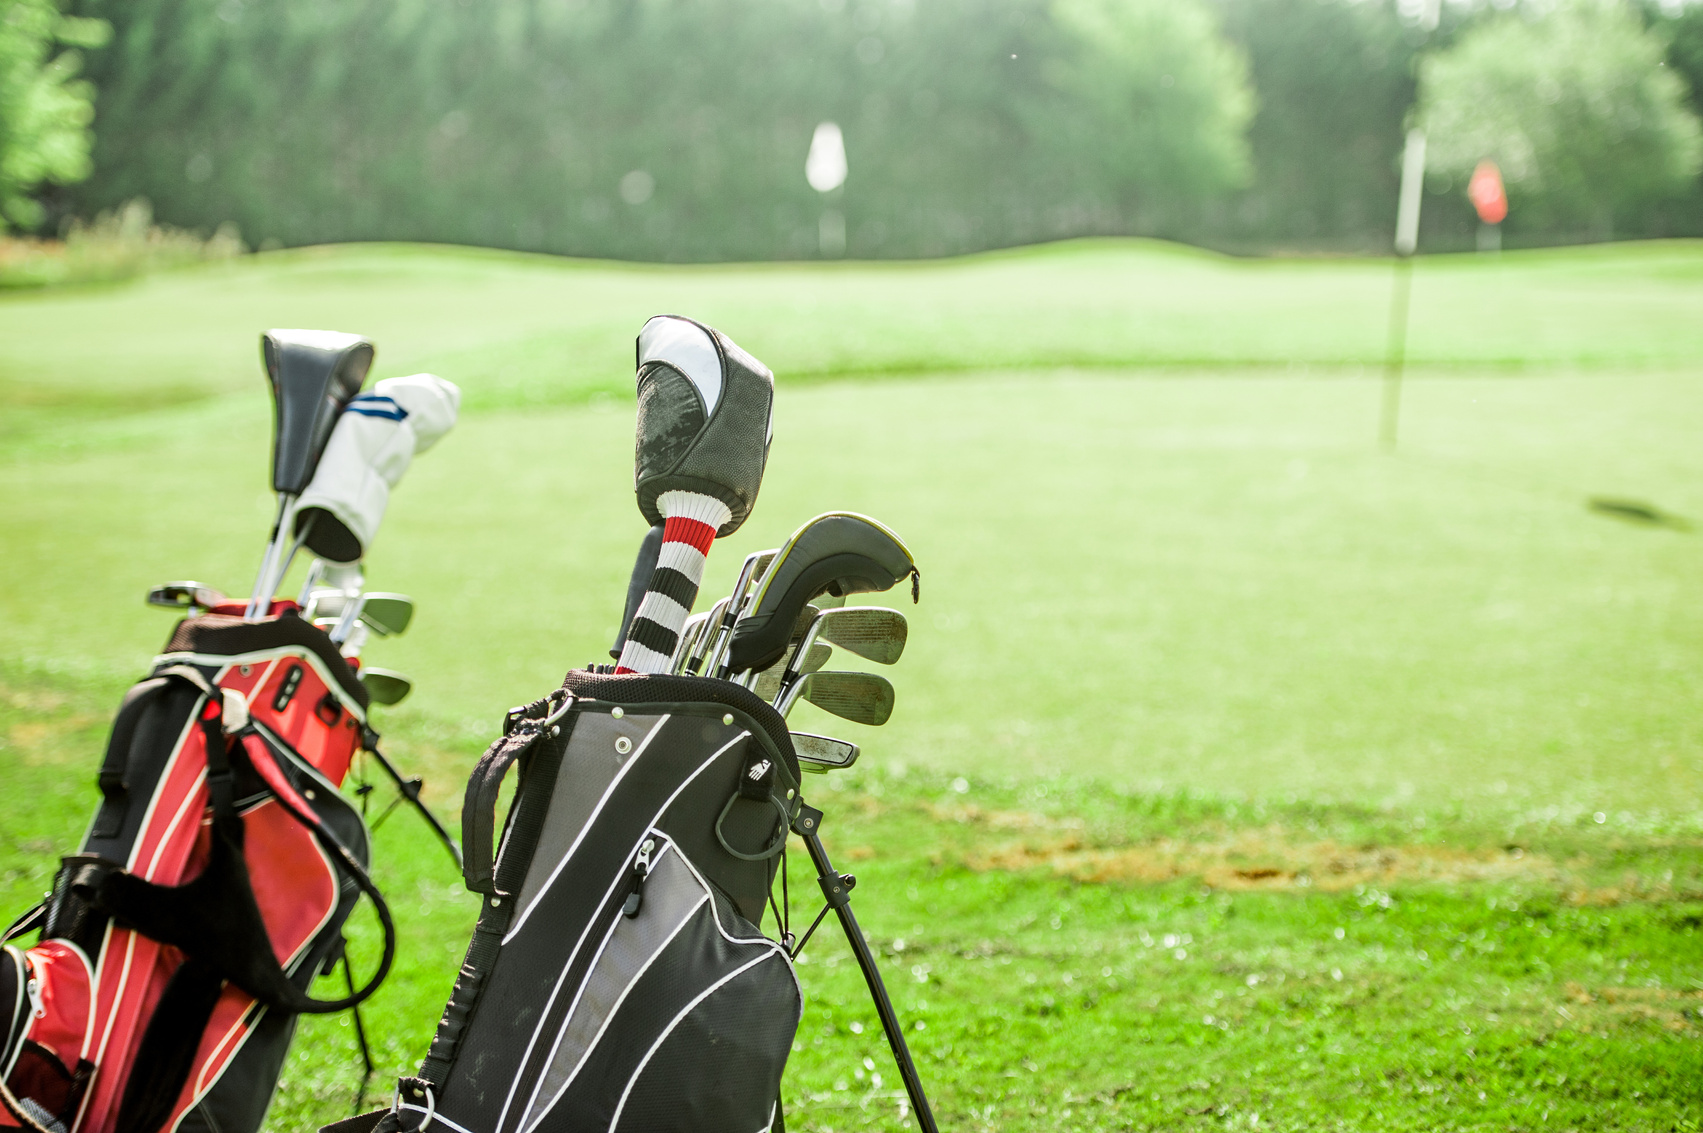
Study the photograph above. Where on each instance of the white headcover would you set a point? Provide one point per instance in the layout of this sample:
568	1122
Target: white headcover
371	447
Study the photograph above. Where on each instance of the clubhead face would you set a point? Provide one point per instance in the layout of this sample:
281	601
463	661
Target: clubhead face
768	683
862	698
385	686
388	614
185	596
821	754
872	632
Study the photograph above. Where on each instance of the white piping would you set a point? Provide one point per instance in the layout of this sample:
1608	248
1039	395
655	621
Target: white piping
675	1022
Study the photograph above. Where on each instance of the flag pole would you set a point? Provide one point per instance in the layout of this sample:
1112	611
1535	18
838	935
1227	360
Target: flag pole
1407	240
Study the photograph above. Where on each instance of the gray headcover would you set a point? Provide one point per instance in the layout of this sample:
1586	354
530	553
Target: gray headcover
705	418
313	373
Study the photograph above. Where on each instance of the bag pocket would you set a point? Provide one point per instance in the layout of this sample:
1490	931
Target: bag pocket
684	1019
52	1003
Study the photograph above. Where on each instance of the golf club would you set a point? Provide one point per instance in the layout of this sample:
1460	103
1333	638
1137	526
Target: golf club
312	375
821	754
386	686
749	572
192	597
690	634
837	554
862	698
767	684
694	659
872	632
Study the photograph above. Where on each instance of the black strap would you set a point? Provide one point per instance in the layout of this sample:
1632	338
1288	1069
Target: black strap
479	810
215	918
113	781
521	729
166	1055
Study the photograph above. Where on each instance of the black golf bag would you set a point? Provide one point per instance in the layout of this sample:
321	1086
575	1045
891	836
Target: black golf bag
177	946
617	979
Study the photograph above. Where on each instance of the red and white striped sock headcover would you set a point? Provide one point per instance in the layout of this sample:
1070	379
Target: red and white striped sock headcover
690	522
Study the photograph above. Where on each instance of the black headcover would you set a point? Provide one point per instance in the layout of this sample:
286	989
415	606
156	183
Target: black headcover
839	553
705	418
313	373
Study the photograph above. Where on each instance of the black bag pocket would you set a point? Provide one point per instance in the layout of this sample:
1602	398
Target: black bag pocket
684	1019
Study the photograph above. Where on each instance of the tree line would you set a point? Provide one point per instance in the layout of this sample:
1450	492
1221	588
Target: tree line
677	129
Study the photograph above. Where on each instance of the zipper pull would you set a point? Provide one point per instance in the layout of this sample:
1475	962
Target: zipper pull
33	990
641	870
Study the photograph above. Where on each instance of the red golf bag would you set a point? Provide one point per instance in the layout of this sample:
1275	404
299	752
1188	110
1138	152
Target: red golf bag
177	946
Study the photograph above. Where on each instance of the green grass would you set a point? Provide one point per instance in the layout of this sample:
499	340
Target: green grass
1073	955
1179	619
520	330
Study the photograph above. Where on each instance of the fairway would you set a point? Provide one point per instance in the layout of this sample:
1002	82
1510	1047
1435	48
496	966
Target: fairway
1241	775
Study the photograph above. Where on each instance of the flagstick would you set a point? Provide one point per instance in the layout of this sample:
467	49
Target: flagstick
1407	240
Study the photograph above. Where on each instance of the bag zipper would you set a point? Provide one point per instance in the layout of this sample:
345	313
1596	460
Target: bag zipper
641	870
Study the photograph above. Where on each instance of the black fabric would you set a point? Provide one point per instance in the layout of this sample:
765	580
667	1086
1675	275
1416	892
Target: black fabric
113	779
14	1004
543	954
360	1123
838	554
660	689
653	636
225	635
673	585
311	384
719	1062
167	1051
650	548
722	456
327	536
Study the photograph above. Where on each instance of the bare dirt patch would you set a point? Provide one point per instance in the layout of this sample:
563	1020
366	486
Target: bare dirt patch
1267	859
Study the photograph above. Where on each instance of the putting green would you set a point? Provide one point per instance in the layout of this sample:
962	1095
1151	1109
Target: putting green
1208	581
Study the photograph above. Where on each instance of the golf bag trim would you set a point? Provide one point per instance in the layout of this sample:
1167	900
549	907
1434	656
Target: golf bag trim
222	661
216	640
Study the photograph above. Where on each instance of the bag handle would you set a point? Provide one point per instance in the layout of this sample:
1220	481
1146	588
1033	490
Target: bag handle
521	729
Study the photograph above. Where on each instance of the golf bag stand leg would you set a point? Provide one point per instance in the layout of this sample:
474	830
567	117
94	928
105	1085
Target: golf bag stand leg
837	892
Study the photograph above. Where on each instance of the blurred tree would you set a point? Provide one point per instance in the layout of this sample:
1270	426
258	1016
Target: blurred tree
1590	128
45	109
536	123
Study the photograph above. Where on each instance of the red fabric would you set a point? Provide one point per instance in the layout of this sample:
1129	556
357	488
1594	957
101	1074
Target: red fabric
690	531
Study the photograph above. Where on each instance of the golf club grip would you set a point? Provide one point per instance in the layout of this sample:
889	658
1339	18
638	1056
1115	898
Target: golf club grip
643	568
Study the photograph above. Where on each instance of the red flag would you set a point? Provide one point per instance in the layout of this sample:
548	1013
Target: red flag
1485	192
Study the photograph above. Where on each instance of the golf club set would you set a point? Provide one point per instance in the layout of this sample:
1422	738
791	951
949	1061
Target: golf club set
617	977
178	945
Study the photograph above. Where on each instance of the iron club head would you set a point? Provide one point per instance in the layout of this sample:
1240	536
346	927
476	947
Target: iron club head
862	698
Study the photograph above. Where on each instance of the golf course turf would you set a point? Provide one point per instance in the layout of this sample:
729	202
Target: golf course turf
1241	776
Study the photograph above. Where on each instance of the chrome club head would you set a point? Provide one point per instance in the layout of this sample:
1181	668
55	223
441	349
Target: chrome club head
192	597
872	632
821	754
385	686
768	682
862	698
387	614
